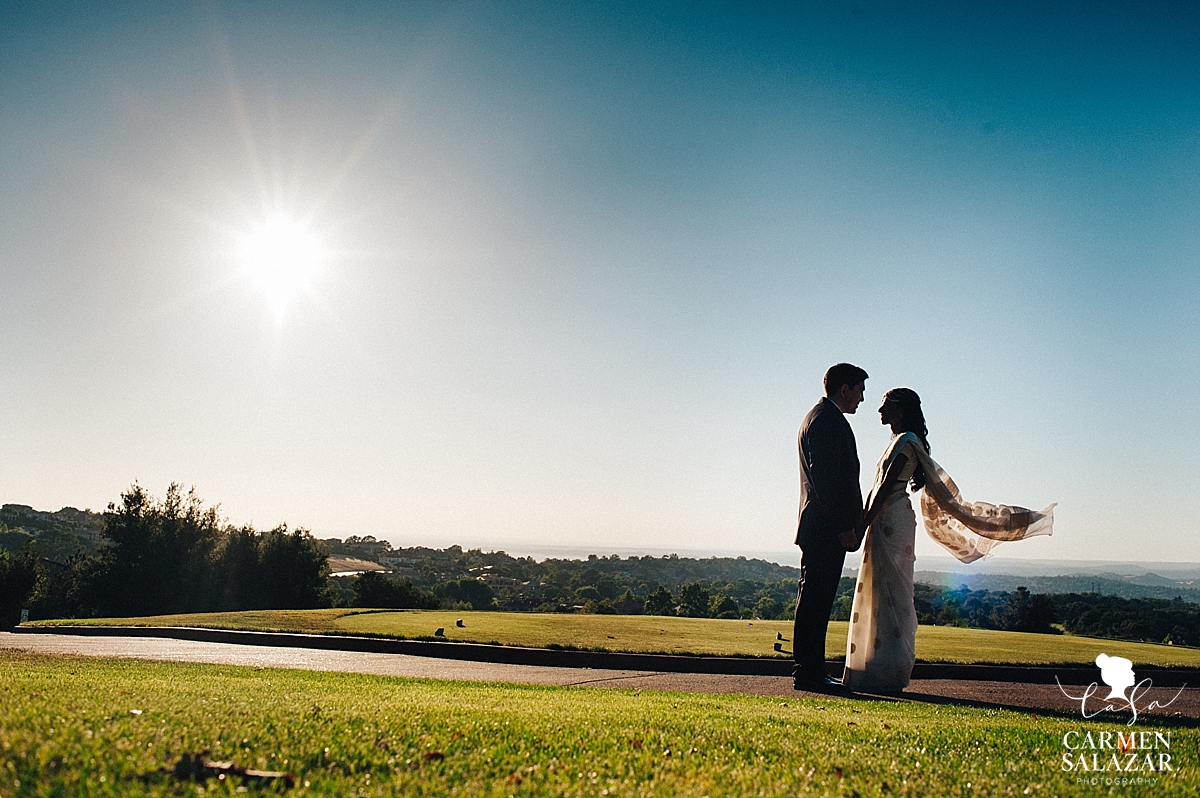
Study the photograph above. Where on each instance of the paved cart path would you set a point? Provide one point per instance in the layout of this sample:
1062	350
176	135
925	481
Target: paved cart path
1006	695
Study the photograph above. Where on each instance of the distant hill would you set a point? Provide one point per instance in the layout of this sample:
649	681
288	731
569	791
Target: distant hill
84	523
1184	572
1154	580
59	535
68	531
672	570
1142	586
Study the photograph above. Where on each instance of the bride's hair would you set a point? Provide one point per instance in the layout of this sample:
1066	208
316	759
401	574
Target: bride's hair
912	419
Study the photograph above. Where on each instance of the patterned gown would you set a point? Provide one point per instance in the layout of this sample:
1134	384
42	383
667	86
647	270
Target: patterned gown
880	647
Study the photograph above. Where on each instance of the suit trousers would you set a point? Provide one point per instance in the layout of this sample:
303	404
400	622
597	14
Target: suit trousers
820	572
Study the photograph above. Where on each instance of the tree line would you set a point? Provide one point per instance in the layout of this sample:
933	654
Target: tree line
150	557
167	557
717	587
1153	620
704	588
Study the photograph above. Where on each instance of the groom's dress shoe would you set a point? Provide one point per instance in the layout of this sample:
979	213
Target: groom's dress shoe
824	685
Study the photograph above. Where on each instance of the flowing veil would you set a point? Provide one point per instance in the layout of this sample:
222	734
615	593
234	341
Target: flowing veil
969	530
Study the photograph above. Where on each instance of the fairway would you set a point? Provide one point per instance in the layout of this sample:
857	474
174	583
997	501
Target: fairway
672	635
74	725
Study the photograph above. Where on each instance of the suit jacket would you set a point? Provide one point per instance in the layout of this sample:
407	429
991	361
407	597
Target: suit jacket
830	497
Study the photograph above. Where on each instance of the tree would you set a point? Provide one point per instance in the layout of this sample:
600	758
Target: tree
842	607
12	540
68	590
237	562
160	557
693	601
1024	612
660	602
722	606
768	609
588	593
629	603
292	570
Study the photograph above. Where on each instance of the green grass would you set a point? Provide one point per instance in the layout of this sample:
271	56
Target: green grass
658	634
83	726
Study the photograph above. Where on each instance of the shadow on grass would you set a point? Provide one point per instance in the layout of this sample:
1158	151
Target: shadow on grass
1171	719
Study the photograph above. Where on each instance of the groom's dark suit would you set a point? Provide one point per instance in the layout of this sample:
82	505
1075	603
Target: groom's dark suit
830	503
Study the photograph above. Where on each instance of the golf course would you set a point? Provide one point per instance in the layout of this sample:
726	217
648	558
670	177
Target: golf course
90	726
663	634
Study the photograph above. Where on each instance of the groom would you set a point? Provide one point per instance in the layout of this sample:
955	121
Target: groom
830	509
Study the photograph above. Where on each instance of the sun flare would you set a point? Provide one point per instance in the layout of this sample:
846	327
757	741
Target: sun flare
282	258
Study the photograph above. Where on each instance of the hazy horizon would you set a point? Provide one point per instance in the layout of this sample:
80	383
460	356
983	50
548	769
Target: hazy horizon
566	271
993	564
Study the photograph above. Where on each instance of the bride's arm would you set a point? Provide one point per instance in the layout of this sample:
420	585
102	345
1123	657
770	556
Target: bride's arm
877	498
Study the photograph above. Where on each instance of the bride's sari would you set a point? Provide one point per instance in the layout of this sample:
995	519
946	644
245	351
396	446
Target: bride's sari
969	530
880	644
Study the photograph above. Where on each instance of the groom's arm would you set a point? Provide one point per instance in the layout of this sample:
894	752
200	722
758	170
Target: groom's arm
833	472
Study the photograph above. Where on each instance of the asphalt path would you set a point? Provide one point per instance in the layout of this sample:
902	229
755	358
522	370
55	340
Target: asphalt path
1021	697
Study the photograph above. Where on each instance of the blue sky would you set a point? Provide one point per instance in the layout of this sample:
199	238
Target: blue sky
586	264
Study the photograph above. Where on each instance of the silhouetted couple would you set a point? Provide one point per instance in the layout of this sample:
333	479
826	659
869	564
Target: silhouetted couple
880	645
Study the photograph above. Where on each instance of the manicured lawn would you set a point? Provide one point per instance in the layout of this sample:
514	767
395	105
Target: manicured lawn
652	633
83	726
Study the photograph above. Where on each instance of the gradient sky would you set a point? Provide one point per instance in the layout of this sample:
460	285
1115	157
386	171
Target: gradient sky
587	263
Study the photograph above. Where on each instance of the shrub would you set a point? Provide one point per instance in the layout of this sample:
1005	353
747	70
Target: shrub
471	591
373	589
18	575
601	607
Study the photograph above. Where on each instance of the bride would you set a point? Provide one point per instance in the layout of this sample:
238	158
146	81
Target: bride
883	622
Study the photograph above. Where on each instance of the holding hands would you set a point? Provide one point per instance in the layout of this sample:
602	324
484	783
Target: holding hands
851	539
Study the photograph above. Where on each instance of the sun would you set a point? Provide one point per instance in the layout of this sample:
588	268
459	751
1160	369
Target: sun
282	258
